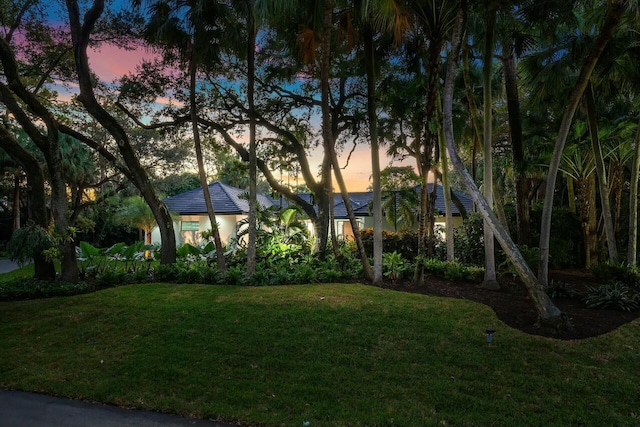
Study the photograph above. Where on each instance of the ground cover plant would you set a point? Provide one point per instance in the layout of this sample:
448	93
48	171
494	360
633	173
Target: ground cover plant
329	355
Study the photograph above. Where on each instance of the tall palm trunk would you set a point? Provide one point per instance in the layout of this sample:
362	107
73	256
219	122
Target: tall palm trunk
603	186
253	167
426	217
615	10
547	311
446	188
369	56
473	109
633	203
199	159
517	147
490	281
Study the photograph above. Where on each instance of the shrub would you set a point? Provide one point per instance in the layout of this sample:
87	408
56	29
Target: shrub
559	289
165	273
619	272
109	278
30	288
29	242
614	295
235	276
454	270
469	241
394	266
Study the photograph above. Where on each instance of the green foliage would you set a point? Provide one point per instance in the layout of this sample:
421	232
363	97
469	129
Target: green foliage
614	295
30	288
394	267
453	270
469	241
559	289
29	242
621	272
405	242
530	254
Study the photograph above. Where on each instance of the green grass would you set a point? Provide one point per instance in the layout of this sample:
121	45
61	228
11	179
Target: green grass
333	355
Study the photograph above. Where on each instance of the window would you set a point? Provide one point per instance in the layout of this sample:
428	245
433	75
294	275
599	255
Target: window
190	226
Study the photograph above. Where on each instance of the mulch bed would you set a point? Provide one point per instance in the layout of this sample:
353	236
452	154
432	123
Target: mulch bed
514	307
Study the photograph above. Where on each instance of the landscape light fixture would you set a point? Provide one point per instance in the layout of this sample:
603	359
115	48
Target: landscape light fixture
490	332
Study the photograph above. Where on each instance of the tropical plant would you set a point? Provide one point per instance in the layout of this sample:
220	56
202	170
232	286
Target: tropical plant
614	295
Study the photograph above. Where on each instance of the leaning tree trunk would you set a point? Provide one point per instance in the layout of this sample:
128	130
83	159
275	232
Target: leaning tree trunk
490	281
603	186
375	154
80	35
633	203
199	159
327	134
615	10
547	311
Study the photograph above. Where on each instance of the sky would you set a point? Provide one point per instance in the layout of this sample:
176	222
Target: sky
110	63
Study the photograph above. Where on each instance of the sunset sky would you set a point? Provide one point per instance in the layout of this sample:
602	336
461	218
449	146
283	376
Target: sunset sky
111	63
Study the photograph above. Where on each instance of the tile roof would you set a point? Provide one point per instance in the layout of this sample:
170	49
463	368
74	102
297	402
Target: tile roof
226	201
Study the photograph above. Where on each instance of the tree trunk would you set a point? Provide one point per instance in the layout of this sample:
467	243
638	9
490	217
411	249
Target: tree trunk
44	270
632	249
490	281
253	168
547	311
327	134
17	177
80	35
517	147
199	159
615	10
571	194
369	57
586	204
603	186
446	188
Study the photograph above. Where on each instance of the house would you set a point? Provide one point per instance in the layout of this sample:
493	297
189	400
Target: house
191	217
231	207
361	203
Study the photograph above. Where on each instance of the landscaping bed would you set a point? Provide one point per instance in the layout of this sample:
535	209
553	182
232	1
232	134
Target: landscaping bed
514	307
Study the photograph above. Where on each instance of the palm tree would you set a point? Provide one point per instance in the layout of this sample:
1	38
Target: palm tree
135	212
191	28
386	16
615	11
547	311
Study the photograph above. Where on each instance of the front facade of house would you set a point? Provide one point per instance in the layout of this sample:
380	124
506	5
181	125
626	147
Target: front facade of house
231	207
191	217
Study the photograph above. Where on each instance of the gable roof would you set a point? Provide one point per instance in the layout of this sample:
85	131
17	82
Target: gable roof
226	200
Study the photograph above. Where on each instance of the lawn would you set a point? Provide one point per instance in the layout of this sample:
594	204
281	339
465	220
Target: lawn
328	354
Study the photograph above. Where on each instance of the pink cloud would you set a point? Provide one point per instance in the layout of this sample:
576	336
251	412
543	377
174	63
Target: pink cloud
111	62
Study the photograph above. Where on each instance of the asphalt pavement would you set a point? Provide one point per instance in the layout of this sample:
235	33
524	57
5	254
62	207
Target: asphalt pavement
22	409
6	265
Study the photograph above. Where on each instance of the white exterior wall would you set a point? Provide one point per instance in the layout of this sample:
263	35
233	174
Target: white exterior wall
226	227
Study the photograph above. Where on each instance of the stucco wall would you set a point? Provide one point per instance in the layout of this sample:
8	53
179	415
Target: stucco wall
226	226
